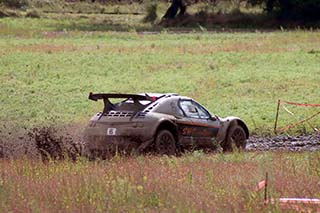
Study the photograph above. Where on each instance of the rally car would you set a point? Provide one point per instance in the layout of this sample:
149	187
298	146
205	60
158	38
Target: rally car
165	123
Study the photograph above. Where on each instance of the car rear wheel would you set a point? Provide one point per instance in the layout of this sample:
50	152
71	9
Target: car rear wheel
236	139
165	143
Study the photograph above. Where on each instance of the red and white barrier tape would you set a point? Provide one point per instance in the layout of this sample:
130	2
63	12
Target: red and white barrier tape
297	123
281	103
299	204
300	200
299	104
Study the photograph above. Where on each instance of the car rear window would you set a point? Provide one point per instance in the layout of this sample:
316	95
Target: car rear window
131	105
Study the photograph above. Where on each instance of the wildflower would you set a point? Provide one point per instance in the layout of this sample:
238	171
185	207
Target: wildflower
140	188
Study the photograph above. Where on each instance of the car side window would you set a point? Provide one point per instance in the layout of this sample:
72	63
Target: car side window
202	112
189	109
194	110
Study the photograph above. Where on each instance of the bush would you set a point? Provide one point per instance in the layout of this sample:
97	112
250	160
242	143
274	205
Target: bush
33	14
151	15
292	9
14	3
300	9
3	14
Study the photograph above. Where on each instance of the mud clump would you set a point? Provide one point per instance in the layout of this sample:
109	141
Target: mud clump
53	146
45	143
15	143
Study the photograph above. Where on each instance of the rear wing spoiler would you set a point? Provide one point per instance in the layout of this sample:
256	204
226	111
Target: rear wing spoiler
110	106
104	96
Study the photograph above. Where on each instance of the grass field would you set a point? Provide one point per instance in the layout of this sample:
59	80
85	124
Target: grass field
48	67
192	183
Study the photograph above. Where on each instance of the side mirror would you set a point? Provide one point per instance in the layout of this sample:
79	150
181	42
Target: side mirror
212	118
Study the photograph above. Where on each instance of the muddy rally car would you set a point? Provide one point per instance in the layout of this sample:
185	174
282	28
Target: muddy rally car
164	123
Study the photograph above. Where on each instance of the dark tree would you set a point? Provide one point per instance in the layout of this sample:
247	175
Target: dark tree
307	10
270	5
173	9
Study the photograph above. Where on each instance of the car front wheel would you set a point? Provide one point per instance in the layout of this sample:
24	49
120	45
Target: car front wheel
165	143
236	139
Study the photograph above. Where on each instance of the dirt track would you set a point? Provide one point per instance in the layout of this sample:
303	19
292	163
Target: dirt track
284	143
56	142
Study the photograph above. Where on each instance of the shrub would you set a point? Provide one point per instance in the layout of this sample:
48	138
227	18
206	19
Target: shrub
300	9
33	14
15	3
151	15
292	9
3	13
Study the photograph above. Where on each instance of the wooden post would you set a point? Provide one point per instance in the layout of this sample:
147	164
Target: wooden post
266	190
277	115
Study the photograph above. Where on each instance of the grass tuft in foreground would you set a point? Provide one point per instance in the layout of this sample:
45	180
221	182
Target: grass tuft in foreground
193	182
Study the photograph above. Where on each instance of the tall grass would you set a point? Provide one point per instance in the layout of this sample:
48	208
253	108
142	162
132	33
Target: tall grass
194	182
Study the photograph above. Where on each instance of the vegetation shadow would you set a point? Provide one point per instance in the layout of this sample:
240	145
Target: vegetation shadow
237	21
201	21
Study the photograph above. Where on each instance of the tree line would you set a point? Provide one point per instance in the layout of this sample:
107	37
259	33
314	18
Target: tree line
286	9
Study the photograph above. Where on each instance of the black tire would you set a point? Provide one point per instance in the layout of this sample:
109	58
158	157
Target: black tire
236	138
165	143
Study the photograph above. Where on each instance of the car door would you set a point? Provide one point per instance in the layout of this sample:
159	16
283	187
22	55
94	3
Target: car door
185	129
204	127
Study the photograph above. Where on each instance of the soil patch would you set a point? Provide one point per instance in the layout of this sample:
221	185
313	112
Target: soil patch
67	142
285	143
